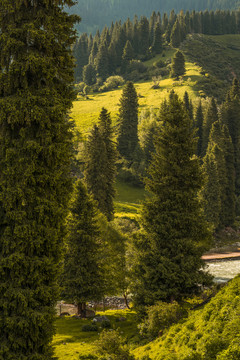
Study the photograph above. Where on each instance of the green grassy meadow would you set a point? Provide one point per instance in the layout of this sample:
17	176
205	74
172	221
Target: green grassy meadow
70	341
85	112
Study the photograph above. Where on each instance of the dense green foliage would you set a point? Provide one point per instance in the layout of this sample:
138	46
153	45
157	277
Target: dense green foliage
168	261
211	332
35	95
160	317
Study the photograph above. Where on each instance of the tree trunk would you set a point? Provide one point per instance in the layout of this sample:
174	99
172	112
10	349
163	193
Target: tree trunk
126	300
81	310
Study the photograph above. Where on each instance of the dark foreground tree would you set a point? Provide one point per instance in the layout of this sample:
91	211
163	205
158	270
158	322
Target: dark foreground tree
82	275
128	122
175	235
35	150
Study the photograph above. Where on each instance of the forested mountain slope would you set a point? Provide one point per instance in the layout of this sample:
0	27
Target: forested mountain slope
96	14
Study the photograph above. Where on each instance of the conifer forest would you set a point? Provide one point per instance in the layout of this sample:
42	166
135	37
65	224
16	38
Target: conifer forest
119	179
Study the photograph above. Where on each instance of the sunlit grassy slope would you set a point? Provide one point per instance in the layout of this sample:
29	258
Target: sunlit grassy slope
70	341
212	332
85	112
128	200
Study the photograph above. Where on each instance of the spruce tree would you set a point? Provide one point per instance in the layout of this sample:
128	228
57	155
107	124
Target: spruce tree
128	122
174	235
231	117
210	118
96	167
157	40
220	144
101	62
199	119
175	38
128	55
188	104
178	65
36	93
82	273
211	192
106	130
89	74
100	170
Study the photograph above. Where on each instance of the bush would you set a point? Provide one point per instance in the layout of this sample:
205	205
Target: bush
112	83
160	63
159	317
80	86
106	324
88	357
136	65
110	346
88	327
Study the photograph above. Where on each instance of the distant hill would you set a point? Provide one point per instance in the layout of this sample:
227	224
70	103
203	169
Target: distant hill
96	14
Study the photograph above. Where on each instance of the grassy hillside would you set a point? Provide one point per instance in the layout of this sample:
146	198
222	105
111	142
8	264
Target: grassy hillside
85	112
219	56
209	333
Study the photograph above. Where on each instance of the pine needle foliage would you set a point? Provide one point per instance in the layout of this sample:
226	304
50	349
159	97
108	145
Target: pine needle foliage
175	234
35	154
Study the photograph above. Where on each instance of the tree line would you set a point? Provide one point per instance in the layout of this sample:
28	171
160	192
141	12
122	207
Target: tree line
120	48
96	14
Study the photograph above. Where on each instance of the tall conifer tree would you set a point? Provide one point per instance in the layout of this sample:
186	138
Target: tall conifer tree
82	273
231	117
175	235
128	122
178	65
36	93
100	172
106	130
210	118
199	119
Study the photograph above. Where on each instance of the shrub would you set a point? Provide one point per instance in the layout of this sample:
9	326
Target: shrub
87	357
160	63
110	346
136	65
88	327
112	83
80	86
106	324
159	317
